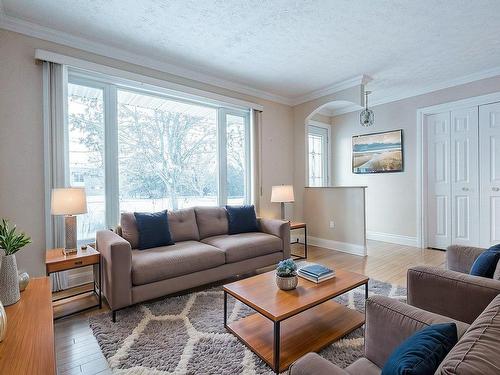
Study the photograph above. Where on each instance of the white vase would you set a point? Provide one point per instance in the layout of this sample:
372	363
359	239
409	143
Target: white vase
3	322
9	282
24	280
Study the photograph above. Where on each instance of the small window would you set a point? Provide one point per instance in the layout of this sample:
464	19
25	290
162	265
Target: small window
318	150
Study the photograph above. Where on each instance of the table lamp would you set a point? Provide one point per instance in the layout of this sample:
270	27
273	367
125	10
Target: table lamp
282	194
69	202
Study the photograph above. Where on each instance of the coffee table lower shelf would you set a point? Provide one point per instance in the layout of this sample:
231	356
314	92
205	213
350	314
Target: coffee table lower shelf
308	331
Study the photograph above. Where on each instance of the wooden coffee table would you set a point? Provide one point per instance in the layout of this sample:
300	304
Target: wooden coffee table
289	324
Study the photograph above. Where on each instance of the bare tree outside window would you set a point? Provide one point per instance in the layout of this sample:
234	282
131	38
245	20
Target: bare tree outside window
167	153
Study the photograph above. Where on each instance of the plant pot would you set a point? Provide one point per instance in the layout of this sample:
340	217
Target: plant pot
287	283
9	282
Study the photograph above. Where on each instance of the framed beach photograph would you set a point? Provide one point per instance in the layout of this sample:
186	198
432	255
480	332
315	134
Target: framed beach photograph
378	152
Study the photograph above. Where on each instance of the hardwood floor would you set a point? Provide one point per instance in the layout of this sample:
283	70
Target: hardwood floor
77	351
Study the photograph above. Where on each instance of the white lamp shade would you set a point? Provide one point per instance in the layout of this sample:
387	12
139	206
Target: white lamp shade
282	193
69	201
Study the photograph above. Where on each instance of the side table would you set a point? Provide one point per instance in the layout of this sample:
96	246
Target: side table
294	226
57	261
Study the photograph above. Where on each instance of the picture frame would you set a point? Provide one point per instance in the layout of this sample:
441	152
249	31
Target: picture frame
381	152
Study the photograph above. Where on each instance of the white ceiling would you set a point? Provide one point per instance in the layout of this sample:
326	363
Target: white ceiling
285	49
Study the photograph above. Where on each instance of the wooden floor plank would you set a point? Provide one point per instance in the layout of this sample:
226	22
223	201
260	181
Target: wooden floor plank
385	262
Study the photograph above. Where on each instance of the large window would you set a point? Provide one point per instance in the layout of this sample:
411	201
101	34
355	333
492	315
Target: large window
318	154
136	150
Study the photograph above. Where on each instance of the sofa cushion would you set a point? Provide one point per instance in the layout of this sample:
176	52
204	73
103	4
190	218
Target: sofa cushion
165	262
422	352
130	232
183	225
477	350
212	221
363	366
243	246
496	275
153	229
241	219
486	263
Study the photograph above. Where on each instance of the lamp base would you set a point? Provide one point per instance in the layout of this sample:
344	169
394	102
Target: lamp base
70	234
282	211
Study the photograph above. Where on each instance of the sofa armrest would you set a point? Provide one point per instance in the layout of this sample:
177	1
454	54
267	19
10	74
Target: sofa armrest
116	258
278	228
454	294
389	322
460	258
313	364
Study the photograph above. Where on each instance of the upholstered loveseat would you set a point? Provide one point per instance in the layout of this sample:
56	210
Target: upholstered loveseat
203	253
390	322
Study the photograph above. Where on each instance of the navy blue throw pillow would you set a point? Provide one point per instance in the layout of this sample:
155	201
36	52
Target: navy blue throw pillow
241	219
153	229
421	353
486	263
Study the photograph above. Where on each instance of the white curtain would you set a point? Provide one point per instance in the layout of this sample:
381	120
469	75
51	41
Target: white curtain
55	155
255	140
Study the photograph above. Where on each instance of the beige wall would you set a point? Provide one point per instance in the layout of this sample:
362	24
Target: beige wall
21	137
391	198
342	205
301	114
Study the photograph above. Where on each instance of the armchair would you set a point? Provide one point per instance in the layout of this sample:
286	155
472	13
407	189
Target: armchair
452	291
388	323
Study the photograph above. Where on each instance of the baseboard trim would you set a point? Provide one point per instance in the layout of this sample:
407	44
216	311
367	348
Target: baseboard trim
392	238
344	247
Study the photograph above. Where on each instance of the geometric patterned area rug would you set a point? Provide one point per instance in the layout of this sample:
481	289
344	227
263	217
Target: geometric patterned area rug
186	335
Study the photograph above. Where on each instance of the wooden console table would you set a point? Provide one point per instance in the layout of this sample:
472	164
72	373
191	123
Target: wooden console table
28	347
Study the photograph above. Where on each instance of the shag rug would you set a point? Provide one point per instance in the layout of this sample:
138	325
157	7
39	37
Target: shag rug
186	335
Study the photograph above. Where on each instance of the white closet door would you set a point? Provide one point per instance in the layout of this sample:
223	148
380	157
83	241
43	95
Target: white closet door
465	177
439	186
489	123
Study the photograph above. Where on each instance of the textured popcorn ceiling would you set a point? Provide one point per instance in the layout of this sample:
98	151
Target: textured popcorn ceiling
289	47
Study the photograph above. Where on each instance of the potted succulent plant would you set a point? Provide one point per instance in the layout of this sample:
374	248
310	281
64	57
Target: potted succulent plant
11	241
286	274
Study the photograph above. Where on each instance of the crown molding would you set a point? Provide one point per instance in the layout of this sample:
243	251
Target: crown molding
37	31
336	87
405	94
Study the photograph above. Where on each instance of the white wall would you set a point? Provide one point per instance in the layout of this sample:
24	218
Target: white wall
390	198
21	138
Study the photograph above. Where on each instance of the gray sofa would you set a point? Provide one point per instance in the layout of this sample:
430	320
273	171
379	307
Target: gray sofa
203	253
452	291
390	322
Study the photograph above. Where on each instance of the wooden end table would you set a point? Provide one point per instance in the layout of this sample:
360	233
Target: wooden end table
57	261
289	324
294	225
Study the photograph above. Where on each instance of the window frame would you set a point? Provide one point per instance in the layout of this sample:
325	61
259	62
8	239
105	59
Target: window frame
326	160
110	87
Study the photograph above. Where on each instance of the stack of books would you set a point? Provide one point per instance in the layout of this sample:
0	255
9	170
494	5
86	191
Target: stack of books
316	273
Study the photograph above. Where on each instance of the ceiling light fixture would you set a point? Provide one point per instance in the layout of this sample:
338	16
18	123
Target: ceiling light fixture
366	116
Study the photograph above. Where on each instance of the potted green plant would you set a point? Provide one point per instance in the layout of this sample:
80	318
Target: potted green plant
286	274
11	241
